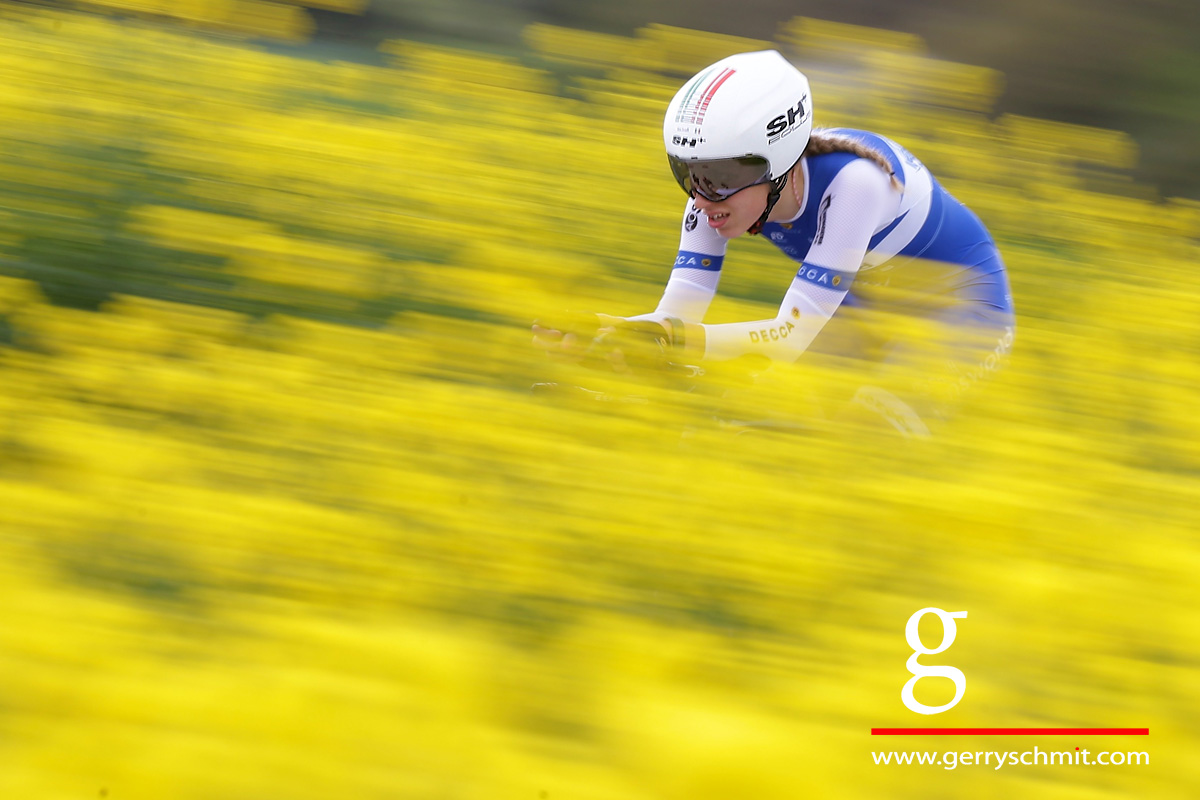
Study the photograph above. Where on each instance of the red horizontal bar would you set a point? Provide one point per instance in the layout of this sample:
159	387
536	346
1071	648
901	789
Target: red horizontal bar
1010	731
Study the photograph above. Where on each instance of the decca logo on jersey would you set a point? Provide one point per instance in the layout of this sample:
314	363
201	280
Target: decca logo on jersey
912	635
786	122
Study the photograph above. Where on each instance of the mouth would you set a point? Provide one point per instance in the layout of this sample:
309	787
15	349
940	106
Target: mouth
717	220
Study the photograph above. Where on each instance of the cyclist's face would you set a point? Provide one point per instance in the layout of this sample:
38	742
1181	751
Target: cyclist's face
734	215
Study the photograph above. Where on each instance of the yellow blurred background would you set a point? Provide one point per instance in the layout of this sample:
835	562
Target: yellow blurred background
279	516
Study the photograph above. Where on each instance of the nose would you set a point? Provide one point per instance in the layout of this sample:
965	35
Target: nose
703	203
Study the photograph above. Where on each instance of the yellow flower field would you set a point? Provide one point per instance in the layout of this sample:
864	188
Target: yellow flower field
280	516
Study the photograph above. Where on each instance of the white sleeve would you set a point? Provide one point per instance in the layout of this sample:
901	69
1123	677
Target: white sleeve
805	309
696	273
859	201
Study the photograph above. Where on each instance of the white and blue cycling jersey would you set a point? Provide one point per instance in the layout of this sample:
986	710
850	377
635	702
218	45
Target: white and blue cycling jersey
854	230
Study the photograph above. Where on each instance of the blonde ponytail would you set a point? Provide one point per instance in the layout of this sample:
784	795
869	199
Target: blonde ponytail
821	142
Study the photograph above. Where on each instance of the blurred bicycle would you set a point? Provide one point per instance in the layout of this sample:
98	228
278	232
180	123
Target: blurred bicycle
618	362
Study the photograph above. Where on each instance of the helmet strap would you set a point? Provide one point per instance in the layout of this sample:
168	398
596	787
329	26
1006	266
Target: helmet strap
776	187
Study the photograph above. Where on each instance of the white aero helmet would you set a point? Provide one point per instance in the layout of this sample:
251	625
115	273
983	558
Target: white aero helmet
744	120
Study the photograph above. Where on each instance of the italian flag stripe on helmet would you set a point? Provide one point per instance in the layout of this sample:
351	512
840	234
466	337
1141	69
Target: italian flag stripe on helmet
691	110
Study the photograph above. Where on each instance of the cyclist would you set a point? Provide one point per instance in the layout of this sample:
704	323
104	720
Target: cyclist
867	223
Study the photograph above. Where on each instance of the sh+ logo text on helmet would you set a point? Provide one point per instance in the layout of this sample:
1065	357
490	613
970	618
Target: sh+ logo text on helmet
781	125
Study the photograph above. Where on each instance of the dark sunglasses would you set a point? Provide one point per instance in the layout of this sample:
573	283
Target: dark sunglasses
720	178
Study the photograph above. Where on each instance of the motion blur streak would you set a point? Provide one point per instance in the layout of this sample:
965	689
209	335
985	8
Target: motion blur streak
279	516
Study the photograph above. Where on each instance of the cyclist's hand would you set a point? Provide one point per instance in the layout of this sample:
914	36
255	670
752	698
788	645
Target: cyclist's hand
629	346
569	340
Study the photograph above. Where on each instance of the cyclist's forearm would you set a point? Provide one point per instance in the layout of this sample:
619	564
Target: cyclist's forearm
779	339
687	295
805	310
